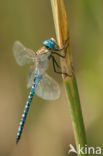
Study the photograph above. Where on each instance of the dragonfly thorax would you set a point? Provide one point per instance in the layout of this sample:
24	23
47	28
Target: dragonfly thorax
42	61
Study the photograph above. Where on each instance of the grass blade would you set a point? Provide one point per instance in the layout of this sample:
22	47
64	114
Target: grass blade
62	33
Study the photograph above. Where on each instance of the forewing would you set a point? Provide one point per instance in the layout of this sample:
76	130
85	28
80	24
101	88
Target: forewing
30	77
22	54
48	88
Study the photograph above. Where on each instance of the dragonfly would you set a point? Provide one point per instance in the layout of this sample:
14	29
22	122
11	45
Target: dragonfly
40	82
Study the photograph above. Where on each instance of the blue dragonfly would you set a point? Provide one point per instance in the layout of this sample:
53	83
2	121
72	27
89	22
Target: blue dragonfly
39	81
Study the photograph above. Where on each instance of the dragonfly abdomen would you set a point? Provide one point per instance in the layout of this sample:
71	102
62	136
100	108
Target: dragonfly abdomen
27	106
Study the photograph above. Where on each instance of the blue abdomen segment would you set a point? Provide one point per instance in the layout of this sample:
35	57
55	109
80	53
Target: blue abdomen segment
27	106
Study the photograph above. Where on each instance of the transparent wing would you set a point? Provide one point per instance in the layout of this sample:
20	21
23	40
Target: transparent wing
48	88
30	77
22	54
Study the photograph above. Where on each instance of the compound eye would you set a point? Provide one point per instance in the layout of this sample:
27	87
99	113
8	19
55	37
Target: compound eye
49	43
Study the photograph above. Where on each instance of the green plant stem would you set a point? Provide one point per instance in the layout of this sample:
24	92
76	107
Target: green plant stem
62	33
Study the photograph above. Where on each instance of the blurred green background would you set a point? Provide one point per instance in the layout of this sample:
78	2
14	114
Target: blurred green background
48	130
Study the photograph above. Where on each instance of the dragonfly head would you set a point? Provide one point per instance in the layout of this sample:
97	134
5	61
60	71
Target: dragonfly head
51	43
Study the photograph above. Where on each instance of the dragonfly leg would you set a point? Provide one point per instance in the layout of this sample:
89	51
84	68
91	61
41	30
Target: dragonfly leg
54	67
55	62
63	56
64	46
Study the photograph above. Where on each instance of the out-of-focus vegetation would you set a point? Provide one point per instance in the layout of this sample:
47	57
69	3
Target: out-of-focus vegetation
48	130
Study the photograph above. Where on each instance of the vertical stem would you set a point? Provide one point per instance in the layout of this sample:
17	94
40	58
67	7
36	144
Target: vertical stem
62	33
